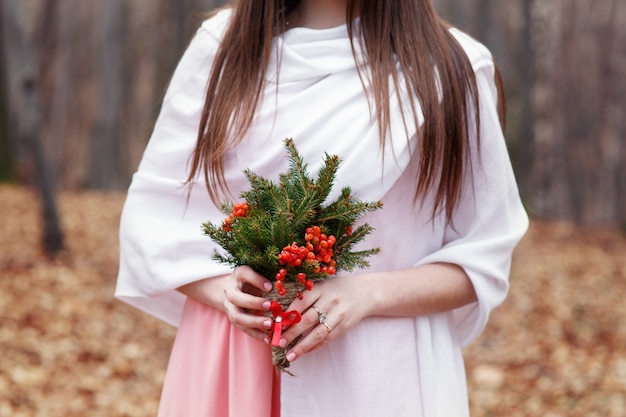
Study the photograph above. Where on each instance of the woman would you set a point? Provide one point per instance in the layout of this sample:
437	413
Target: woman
411	107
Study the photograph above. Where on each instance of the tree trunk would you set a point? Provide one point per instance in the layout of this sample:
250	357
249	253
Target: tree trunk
105	143
26	114
6	150
610	142
523	148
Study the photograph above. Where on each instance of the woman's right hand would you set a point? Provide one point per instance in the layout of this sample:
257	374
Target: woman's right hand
239	295
245	303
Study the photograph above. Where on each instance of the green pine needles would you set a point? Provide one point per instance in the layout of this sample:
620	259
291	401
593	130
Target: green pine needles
288	228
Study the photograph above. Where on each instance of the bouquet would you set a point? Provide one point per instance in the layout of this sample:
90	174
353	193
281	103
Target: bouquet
290	234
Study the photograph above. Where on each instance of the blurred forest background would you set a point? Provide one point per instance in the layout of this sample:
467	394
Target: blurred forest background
82	83
80	87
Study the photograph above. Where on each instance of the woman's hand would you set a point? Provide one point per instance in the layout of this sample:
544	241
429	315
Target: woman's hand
239	296
343	302
244	303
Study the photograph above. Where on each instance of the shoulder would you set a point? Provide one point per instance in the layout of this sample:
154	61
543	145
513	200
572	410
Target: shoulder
195	64
476	52
216	25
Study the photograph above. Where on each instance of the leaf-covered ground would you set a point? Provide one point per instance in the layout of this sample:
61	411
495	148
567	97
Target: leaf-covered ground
557	347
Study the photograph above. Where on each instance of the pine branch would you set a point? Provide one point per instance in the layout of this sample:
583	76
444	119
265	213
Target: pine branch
353	260
297	173
278	215
326	177
357	235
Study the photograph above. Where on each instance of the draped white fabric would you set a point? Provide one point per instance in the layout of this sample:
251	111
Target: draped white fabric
383	367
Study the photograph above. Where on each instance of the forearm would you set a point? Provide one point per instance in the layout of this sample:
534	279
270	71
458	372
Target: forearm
425	289
239	295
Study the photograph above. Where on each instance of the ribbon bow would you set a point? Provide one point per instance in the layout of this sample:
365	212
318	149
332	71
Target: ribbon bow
282	320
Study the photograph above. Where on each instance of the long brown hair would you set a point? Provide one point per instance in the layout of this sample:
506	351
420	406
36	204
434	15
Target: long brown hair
407	29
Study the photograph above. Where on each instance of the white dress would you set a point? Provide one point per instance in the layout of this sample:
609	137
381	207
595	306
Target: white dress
397	367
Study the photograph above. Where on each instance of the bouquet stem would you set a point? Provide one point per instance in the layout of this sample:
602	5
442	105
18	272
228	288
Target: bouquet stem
279	354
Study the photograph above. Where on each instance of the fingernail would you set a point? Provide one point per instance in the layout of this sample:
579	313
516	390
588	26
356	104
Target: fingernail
267	323
291	356
266	340
283	342
267	286
266	305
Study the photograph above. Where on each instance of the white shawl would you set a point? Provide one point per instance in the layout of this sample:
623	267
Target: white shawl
322	105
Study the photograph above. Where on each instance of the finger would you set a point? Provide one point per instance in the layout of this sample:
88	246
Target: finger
241	289
246	275
252	324
309	320
256	334
246	301
309	298
310	317
316	338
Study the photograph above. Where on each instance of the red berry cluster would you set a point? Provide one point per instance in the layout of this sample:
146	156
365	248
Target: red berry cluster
239	210
293	255
316	255
280	282
317	252
321	248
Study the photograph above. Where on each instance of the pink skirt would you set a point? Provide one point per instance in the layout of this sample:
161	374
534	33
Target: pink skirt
216	370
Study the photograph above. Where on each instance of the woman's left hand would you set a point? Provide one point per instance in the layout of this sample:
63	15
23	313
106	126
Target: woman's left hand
328	310
337	304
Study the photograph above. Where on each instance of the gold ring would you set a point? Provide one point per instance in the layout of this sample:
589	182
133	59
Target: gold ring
327	326
320	316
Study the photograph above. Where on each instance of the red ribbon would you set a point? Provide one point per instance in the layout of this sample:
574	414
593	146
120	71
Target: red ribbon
282	320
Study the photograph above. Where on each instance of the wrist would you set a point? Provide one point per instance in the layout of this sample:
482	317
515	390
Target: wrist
371	293
364	290
209	291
